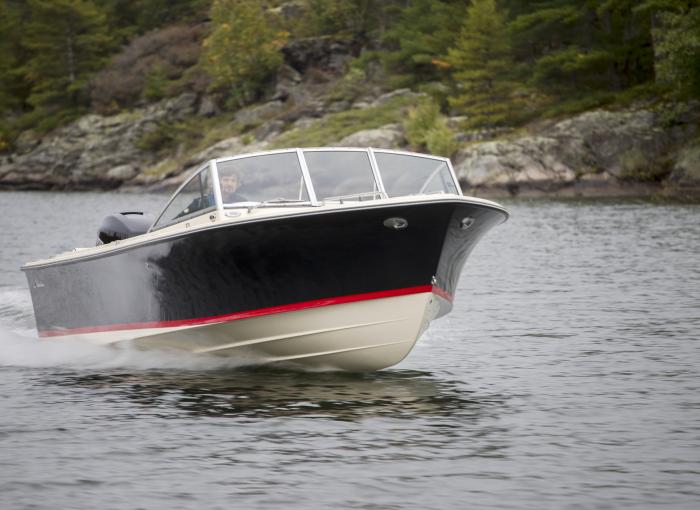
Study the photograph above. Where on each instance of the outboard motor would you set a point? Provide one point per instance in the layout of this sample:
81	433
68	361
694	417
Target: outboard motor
123	225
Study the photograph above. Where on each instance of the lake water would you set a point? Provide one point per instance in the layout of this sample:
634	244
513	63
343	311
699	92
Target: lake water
567	376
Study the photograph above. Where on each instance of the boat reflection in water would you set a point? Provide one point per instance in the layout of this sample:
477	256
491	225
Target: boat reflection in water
329	258
268	393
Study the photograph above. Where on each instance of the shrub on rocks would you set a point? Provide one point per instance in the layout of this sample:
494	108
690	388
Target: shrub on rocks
147	68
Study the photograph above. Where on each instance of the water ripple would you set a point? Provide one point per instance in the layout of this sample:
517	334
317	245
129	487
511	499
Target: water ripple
567	376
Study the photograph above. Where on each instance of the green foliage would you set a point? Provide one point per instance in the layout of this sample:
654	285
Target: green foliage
189	135
177	142
626	37
673	114
242	51
636	167
678	52
419	39
481	66
68	40
577	104
157	140
426	128
421	119
550	26
156	83
572	48
572	68
440	139
357	19
498	61
350	86
129	18
12	91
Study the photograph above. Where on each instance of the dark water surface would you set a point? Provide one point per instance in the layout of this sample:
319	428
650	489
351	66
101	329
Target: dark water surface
567	376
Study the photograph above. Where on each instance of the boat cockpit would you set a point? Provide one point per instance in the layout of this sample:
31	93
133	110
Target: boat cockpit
306	177
291	177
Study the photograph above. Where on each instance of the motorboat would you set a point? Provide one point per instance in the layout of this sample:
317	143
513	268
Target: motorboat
327	257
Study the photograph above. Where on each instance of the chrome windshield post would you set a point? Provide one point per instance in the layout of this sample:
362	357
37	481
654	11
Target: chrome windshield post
377	174
214	169
454	176
307	177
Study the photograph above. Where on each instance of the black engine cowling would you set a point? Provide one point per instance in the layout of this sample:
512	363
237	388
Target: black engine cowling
123	225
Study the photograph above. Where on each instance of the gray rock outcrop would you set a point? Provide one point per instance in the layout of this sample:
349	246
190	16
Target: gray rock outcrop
93	152
531	161
255	115
600	152
598	149
229	147
389	136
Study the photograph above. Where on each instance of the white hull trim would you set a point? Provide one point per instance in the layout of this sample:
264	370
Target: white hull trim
358	336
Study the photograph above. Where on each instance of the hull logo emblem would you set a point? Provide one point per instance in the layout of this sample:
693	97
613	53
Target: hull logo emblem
396	223
466	222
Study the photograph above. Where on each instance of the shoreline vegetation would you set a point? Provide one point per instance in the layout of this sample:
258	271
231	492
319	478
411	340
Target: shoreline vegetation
551	99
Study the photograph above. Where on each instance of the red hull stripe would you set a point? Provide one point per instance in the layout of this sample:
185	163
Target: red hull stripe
251	313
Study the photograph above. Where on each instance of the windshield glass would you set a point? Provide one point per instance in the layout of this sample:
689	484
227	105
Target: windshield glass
194	197
341	174
406	174
268	177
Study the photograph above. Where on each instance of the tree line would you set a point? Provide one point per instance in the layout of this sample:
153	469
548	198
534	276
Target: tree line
495	62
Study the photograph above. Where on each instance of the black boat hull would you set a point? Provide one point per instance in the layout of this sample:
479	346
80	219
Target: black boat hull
273	267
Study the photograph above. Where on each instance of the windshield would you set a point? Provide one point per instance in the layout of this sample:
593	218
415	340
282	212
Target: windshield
344	174
277	178
406	174
268	177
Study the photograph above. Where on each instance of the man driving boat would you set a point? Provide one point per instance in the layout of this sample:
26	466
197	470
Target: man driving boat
229	185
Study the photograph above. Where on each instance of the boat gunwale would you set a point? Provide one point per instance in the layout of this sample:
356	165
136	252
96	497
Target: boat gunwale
110	249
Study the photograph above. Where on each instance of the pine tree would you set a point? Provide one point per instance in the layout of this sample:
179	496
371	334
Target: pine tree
420	38
572	48
481	64
67	40
546	27
13	89
242	51
128	18
677	39
355	19
625	41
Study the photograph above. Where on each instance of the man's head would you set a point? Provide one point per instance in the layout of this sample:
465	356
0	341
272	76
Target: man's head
229	184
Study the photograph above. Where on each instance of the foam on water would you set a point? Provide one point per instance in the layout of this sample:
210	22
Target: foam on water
16	309
24	349
20	346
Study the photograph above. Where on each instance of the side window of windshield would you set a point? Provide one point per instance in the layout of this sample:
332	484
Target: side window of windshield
196	195
341	174
404	174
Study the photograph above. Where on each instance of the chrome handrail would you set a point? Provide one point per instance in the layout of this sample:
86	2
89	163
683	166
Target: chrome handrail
342	198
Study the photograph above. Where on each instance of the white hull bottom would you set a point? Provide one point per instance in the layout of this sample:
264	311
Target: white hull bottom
358	336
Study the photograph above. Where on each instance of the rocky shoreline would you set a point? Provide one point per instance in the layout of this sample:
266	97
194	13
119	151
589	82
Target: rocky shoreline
633	152
598	153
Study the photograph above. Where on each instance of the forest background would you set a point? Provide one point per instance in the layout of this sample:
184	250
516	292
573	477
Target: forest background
491	64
